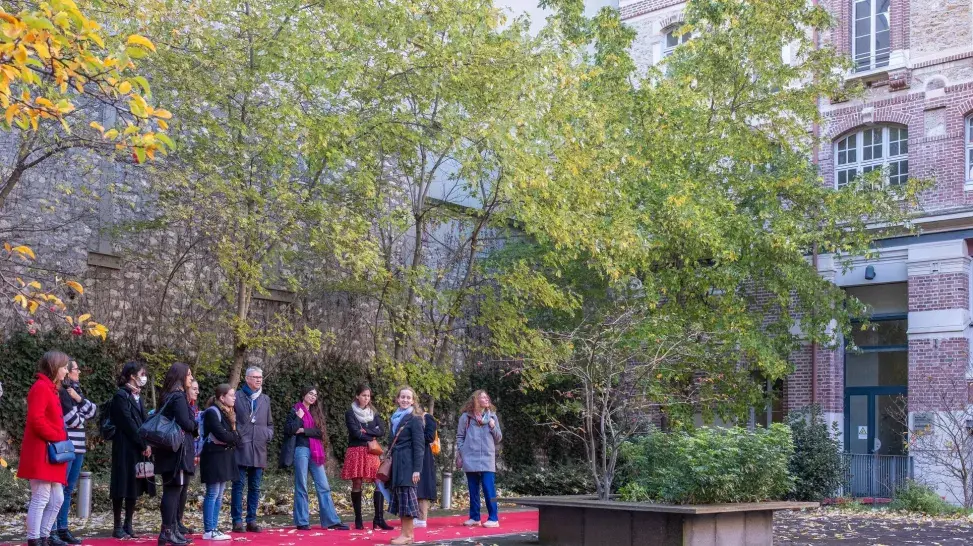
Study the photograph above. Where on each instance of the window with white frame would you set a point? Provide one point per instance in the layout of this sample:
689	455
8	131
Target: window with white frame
969	149
871	35
870	149
673	39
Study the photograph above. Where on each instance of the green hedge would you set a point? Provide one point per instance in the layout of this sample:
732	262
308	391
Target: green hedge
101	361
708	466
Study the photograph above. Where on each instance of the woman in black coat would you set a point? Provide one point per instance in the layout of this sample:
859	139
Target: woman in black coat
127	413
216	463
407	446
176	468
426	492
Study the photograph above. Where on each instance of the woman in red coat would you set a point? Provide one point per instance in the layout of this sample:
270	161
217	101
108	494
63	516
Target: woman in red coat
45	423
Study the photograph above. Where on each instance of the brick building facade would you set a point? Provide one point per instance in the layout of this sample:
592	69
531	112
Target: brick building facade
915	59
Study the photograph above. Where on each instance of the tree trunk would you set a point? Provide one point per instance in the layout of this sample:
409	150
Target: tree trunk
239	343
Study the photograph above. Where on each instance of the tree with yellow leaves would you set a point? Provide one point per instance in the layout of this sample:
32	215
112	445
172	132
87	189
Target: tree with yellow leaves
59	83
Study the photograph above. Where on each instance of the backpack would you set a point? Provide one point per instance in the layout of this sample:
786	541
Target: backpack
106	429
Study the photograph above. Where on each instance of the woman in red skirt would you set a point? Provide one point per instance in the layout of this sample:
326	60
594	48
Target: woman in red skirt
364	425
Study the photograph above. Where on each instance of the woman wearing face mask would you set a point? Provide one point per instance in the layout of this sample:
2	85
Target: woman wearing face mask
45	423
407	446
217	463
77	410
364	424
306	423
127	414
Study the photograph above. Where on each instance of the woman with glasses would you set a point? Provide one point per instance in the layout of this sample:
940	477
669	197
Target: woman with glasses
77	411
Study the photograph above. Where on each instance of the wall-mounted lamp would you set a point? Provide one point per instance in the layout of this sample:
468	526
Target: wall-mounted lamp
869	272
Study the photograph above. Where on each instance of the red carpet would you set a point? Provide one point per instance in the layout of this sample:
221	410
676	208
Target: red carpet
439	530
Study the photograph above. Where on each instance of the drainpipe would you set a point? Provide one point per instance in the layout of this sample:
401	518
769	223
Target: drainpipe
814	344
816	129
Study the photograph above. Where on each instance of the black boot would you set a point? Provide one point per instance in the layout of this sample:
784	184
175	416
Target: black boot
127	529
356	502
168	538
67	537
54	539
379	502
119	533
177	533
33	542
183	530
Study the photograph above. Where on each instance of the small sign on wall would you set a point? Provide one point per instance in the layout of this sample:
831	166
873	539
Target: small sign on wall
922	421
862	432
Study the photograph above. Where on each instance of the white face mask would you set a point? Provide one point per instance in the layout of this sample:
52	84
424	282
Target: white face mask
143	380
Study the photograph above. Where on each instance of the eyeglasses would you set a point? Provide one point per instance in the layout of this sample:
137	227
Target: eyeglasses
255	377
313	394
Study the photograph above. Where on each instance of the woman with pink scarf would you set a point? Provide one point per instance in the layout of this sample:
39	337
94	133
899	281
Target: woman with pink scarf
306	423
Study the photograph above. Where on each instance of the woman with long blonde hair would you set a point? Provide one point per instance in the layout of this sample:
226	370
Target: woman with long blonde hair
477	437
407	447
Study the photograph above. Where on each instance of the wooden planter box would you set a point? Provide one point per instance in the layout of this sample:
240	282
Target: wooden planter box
587	521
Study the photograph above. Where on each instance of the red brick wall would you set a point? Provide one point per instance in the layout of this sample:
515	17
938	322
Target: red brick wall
935	292
940	158
937	373
830	384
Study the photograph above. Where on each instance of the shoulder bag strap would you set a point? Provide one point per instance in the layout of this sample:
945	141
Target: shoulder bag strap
396	439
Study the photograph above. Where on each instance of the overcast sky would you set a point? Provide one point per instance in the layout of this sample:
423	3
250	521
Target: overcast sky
537	15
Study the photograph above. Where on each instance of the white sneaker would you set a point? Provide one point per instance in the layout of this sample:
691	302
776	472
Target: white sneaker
216	535
492	524
419	523
471	523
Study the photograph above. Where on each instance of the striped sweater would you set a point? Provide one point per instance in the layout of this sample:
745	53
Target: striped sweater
76	414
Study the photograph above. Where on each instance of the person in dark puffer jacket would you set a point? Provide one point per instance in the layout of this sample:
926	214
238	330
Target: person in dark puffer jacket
77	411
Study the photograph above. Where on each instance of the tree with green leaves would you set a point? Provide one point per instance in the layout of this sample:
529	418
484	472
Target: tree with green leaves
688	192
261	182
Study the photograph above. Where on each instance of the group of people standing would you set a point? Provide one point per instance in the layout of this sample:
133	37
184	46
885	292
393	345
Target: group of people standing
228	441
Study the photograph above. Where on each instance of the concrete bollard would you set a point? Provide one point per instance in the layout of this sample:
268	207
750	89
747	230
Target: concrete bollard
447	490
84	495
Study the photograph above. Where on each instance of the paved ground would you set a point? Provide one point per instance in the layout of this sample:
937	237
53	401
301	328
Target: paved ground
881	528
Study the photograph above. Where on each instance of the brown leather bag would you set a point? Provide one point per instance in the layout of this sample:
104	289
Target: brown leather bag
384	473
375	448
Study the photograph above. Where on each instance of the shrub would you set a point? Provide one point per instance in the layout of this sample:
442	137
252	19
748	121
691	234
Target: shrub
708	466
817	466
916	497
567	479
14	493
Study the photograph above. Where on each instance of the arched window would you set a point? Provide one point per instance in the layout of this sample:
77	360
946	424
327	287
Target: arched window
673	39
870	149
871	37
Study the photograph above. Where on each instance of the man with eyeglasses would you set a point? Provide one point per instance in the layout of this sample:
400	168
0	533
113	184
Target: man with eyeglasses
256	427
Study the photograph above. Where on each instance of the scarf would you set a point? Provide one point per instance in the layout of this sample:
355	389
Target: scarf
228	413
397	417
317	448
253	395
483	418
364	416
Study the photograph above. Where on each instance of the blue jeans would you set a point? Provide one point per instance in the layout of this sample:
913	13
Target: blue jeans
302	460
74	472
212	504
253	476
474	480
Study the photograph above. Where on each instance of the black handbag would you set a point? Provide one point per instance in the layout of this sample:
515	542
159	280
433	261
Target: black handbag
161	432
286	458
